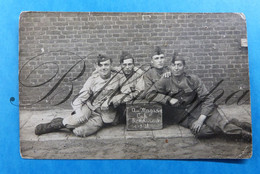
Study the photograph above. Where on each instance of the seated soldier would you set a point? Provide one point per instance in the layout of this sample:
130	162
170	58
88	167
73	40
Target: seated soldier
131	84
158	69
92	108
192	104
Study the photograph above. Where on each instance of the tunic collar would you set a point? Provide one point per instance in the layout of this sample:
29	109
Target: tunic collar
180	78
159	71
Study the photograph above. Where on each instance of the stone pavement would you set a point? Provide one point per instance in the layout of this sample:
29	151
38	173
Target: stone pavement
172	142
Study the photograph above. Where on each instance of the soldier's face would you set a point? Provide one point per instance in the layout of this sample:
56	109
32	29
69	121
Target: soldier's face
158	61
127	66
177	68
104	68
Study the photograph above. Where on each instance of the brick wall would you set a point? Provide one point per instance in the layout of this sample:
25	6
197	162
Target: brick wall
54	42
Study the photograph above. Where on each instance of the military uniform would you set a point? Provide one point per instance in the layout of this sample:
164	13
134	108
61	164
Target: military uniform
91	108
153	75
194	100
150	77
130	88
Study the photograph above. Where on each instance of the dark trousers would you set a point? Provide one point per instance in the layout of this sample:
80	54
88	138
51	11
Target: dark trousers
214	124
121	113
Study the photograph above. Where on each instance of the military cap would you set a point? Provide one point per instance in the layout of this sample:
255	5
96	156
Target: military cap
177	57
102	58
125	55
157	51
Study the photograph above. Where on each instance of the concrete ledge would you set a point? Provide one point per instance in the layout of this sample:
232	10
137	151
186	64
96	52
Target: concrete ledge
116	142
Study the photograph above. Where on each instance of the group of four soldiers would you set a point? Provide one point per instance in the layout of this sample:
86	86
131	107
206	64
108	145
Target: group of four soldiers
183	96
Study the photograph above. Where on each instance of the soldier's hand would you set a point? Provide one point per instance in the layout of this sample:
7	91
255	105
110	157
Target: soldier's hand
196	126
173	101
104	106
115	101
167	74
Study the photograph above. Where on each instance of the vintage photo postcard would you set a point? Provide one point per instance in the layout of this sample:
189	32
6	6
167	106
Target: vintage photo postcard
134	86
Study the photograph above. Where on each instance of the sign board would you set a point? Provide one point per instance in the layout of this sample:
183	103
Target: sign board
144	116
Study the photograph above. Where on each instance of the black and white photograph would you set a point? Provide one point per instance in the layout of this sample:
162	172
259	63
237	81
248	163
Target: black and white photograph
110	85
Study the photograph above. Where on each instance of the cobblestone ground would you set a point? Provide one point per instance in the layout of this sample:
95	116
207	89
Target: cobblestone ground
177	148
172	142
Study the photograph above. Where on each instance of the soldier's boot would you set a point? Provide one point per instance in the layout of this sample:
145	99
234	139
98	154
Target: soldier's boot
246	136
244	125
53	126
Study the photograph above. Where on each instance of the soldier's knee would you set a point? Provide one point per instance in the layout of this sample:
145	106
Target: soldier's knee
81	132
78	132
88	129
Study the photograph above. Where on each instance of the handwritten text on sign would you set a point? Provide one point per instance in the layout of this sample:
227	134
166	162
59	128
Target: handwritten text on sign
144	116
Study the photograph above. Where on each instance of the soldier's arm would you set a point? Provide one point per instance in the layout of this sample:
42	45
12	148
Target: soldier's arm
83	95
203	94
158	92
147	80
130	94
207	103
168	73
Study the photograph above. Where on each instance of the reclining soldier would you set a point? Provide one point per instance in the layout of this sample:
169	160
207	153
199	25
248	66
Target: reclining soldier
193	106
92	107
